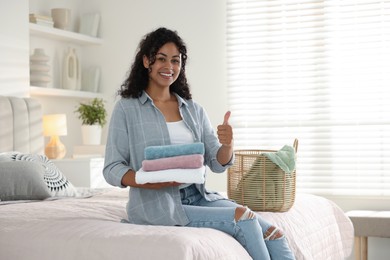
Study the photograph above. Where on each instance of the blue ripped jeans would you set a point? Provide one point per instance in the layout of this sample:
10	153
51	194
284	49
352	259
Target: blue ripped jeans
220	215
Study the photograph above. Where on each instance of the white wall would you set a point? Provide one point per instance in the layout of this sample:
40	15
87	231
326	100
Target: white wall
14	48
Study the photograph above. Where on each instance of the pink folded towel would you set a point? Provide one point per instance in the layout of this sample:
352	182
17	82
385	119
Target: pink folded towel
191	161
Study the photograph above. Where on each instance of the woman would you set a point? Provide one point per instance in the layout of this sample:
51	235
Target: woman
156	109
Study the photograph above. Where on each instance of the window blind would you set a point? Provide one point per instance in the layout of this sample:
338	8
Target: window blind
318	71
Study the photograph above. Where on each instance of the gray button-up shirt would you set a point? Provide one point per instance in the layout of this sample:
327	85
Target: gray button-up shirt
137	123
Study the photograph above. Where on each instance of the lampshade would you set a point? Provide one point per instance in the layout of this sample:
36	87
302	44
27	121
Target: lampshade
54	124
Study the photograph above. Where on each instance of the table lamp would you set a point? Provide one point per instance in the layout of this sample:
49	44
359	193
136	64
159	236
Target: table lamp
54	125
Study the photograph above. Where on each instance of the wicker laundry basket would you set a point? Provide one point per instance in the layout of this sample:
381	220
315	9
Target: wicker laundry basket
255	181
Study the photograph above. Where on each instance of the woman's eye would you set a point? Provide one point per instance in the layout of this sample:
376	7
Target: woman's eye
175	61
161	59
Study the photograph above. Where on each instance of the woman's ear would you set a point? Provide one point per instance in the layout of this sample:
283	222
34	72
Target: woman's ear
146	62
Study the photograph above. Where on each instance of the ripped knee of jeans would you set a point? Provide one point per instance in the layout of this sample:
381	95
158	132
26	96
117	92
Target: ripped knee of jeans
273	233
243	213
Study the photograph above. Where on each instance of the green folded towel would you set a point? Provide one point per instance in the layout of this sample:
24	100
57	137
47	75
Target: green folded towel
284	158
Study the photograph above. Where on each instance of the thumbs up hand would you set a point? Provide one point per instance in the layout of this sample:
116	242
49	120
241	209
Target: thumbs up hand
226	118
225	131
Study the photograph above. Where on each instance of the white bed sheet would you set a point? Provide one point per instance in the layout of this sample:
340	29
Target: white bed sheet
90	228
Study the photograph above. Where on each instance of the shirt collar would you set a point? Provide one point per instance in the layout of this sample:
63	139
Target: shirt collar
144	97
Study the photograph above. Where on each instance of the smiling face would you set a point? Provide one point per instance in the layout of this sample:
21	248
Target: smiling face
166	68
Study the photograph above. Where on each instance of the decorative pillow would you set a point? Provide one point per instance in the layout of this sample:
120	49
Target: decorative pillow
55	181
22	180
6	156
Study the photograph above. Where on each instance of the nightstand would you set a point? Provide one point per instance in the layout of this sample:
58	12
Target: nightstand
83	172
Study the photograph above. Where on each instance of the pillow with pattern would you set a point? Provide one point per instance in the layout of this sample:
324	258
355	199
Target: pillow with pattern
54	179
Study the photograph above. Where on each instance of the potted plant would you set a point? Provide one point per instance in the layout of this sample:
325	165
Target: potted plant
93	116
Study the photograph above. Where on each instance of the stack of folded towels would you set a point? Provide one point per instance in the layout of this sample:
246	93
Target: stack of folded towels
182	163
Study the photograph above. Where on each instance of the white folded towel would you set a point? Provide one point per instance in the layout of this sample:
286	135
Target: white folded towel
178	175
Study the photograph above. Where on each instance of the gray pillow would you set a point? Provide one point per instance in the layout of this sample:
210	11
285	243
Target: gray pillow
54	179
22	180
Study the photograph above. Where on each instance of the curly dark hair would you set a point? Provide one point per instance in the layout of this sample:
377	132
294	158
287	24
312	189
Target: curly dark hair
138	76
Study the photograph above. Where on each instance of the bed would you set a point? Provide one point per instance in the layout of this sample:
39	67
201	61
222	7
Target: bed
87	223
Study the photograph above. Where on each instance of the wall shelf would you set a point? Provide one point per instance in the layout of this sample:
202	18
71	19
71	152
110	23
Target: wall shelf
62	35
42	91
55	34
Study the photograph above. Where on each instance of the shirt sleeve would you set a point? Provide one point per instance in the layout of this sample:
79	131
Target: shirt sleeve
212	144
116	162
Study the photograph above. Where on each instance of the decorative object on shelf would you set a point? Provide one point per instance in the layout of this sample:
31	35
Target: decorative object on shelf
90	79
71	71
61	18
89	24
39	68
54	125
93	116
41	20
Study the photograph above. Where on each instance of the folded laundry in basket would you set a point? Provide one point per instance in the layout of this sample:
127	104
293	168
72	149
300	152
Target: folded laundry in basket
284	158
162	151
191	161
178	175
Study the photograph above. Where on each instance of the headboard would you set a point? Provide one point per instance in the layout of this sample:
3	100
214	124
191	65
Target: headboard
21	125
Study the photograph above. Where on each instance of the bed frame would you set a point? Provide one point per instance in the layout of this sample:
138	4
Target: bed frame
21	125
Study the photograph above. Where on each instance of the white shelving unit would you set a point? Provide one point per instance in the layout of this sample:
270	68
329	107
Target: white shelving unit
41	91
69	37
62	35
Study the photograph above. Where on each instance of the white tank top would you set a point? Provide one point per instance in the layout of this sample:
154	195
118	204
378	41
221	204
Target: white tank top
180	134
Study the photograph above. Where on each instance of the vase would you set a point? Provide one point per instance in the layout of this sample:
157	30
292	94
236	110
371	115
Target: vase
91	134
39	68
61	18
71	72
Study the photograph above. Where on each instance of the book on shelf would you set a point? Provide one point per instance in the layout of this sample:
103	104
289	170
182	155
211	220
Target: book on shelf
41	20
41	17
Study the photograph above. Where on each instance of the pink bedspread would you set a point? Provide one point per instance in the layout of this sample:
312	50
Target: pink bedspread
83	229
90	228
316	228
